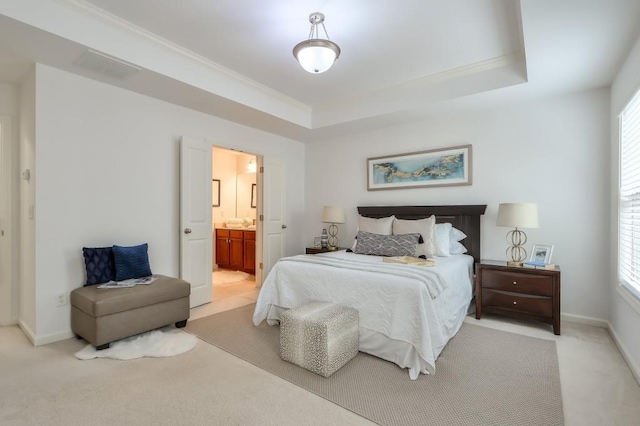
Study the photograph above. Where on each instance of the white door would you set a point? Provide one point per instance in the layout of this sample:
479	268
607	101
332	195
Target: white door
195	218
274	213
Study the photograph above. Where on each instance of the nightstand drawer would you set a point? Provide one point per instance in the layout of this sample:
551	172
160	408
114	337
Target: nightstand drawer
532	305
517	282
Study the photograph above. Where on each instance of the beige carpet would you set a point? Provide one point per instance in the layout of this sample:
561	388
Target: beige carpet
483	376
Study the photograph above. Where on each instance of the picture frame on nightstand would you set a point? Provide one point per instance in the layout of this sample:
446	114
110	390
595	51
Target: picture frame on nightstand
541	253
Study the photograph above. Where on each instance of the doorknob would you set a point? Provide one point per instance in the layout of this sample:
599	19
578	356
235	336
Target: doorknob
284	226
187	230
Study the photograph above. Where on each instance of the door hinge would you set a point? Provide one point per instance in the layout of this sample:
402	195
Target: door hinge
261	218
261	169
261	266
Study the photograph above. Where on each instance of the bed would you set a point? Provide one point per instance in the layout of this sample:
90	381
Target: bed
407	313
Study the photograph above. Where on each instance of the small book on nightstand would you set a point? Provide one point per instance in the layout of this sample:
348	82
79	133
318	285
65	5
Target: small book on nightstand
539	265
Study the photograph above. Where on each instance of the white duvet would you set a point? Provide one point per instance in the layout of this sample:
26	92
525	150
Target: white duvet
407	313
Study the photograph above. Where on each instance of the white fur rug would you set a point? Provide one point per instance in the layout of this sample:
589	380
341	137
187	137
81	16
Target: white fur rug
228	277
167	341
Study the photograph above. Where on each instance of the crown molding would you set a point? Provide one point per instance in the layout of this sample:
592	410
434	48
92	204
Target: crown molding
431	80
93	12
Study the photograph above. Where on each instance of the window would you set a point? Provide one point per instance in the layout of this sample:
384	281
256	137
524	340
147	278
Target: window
629	197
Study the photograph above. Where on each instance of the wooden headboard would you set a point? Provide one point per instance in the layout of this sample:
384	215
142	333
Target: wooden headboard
465	218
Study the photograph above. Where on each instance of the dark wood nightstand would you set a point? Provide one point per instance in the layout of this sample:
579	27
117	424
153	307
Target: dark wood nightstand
316	250
518	292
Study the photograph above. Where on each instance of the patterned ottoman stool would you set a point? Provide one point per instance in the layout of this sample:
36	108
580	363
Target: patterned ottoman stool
319	336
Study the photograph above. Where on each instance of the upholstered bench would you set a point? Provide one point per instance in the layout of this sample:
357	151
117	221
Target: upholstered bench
319	336
104	315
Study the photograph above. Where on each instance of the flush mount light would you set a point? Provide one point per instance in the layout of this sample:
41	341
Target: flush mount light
316	55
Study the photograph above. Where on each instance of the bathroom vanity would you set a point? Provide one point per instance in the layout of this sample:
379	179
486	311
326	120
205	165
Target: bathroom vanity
236	249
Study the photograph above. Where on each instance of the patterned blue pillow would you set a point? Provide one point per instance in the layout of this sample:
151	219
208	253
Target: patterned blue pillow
386	245
131	262
99	264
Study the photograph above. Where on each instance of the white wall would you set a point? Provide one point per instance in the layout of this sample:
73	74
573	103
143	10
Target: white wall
625	320
552	152
9	242
108	173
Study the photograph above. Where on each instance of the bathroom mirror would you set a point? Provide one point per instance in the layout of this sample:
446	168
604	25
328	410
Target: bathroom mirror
245	195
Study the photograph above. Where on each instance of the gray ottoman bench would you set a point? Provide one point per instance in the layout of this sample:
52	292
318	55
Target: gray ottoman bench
104	315
319	336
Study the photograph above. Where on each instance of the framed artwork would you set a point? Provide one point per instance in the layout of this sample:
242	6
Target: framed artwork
435	167
254	196
215	192
541	253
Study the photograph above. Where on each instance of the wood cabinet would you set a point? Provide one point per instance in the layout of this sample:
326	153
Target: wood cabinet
518	292
236	249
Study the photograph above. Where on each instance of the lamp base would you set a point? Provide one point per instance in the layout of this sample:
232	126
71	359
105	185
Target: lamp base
514	263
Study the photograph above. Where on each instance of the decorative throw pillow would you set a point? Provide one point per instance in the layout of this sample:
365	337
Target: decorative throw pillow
131	262
99	264
386	245
425	227
381	226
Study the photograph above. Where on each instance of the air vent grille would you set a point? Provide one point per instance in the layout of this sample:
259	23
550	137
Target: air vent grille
106	65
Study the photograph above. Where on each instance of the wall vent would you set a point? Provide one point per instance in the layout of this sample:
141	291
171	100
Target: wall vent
106	65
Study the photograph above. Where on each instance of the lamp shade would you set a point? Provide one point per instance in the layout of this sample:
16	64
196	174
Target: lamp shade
332	214
316	56
518	215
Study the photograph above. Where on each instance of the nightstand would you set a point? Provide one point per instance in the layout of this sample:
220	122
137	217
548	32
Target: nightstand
519	292
316	250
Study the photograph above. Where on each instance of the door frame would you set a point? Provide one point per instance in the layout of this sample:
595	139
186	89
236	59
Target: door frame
9	290
259	210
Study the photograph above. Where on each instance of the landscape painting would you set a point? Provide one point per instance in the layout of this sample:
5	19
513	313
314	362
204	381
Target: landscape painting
436	167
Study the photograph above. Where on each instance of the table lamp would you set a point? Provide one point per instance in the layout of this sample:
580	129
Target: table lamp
333	215
517	215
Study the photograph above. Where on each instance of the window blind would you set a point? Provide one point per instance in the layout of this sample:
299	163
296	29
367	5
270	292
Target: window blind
629	193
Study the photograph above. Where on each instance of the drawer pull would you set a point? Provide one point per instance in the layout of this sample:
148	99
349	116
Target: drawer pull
515	303
514	283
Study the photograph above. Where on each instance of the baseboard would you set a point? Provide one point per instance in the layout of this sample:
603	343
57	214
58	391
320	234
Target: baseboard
43	340
51	338
27	331
579	319
625	354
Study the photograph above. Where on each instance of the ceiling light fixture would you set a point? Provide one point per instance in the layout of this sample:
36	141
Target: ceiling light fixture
316	54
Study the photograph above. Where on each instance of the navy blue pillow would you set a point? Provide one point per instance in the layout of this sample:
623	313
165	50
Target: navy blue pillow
131	262
99	264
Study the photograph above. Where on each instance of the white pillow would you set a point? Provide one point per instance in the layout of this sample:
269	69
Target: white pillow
442	238
445	238
456	234
457	248
382	226
424	227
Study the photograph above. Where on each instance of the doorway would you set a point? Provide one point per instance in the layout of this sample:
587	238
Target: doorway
235	193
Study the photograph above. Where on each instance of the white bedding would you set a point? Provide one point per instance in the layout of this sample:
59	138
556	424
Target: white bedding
402	318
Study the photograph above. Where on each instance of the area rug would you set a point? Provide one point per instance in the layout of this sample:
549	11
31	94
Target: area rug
167	341
483	376
228	277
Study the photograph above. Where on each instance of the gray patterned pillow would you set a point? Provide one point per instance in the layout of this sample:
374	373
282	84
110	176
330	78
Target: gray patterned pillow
386	245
